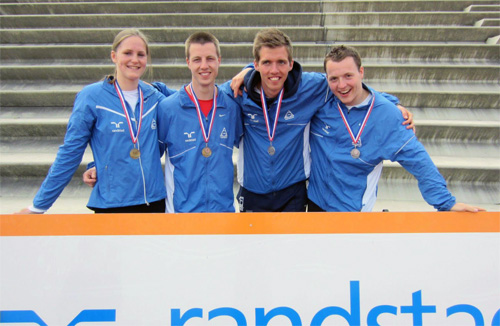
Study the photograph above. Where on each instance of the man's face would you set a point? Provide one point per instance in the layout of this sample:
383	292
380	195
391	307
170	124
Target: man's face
273	66
345	81
203	63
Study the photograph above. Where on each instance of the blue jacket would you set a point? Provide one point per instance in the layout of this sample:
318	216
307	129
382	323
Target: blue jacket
259	172
196	183
98	119
340	182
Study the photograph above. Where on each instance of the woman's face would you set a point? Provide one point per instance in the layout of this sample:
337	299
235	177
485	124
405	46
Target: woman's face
130	59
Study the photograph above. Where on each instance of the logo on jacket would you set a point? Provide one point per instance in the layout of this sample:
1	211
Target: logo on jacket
189	137
289	115
223	134
253	117
325	129
117	126
153	124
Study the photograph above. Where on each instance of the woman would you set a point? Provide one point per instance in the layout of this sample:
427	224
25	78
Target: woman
117	117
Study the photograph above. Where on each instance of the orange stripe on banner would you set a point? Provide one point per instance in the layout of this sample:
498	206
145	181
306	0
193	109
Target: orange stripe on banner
247	223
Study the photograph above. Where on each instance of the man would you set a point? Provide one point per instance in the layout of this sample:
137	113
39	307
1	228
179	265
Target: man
279	102
352	136
199	125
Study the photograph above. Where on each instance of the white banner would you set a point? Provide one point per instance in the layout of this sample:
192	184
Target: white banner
268	279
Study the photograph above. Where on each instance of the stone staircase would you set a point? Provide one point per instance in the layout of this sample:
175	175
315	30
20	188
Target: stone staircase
441	58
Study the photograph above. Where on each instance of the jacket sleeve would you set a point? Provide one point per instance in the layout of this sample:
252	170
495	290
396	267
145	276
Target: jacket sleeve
162	88
391	98
69	155
415	159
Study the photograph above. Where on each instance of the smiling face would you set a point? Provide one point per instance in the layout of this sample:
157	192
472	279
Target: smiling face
204	63
130	58
345	81
273	66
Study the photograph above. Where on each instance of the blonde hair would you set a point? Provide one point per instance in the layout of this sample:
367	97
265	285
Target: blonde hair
119	38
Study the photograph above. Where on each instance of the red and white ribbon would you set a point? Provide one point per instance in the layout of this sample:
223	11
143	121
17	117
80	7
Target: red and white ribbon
124	106
355	140
206	136
271	133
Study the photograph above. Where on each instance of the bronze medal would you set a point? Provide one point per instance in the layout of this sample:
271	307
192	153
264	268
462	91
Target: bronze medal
355	153
206	152
135	153
271	150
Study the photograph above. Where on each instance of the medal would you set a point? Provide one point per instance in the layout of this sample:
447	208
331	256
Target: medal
135	153
206	152
355	153
271	133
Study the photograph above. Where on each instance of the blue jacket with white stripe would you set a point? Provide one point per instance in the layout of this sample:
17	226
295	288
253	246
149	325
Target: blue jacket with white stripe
259	172
98	119
196	183
339	182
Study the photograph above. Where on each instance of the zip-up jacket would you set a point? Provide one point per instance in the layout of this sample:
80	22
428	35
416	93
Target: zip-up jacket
340	182
98	119
196	183
258	171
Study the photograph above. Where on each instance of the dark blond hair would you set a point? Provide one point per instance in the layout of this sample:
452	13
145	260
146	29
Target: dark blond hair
201	38
271	38
339	53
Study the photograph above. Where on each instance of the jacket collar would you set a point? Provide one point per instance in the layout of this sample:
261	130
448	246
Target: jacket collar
186	102
291	83
147	89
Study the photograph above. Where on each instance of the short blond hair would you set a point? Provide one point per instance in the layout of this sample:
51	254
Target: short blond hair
201	38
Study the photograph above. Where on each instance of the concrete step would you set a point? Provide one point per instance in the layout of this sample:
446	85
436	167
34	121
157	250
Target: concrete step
443	95
464	131
453	170
452	114
462	150
17	193
51	8
483	7
239	6
404	195
237	34
248	19
488	22
232	52
421	95
427	72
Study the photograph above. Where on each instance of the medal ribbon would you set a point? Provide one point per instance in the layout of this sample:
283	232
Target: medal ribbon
270	133
356	140
124	106
198	110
